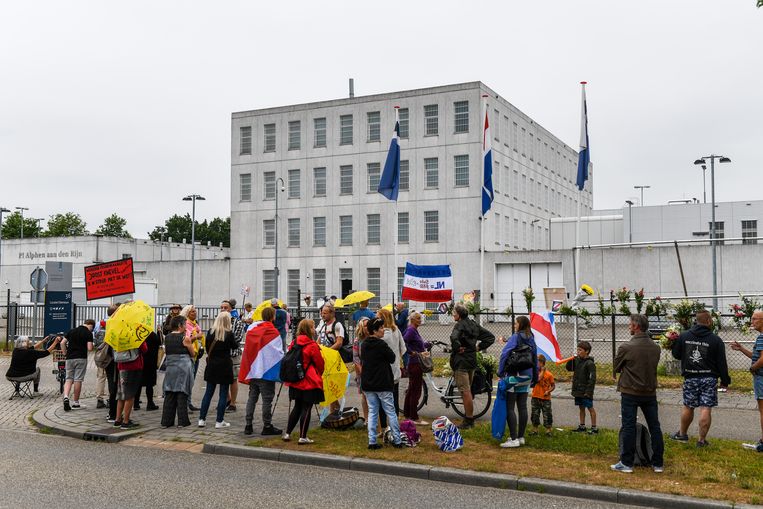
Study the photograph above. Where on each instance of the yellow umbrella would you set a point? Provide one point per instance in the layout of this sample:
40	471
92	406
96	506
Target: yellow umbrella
334	375
339	303
129	326
388	307
360	296
257	315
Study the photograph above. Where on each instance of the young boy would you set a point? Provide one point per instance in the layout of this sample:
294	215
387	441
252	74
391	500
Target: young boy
583	384
541	398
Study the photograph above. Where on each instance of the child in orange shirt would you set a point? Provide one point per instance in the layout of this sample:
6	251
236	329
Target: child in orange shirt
541	398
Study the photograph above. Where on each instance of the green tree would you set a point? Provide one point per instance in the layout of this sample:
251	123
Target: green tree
179	227
12	227
114	226
66	225
219	231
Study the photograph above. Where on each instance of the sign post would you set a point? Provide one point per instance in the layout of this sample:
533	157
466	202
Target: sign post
39	280
58	298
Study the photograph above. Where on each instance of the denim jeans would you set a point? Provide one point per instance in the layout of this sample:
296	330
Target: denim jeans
387	403
629	406
222	402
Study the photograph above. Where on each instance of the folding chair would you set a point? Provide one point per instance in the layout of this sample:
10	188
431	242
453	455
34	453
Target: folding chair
21	387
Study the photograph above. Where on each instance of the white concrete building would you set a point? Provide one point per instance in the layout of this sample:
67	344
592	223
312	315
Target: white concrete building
335	233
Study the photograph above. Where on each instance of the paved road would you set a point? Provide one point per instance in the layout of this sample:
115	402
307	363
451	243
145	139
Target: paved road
153	478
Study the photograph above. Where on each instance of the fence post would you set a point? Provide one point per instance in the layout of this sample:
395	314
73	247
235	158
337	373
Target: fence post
513	318
7	318
612	305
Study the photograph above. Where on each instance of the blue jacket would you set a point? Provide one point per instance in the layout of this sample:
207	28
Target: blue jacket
511	345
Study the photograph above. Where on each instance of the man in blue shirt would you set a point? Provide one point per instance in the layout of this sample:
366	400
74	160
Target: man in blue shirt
756	355
363	312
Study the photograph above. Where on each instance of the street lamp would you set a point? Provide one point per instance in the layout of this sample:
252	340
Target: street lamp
283	188
22	209
193	198
713	243
630	220
2	209
642	192
38	219
704	181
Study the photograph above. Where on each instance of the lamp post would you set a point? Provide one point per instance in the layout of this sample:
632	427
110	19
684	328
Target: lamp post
2	209
21	210
704	181
193	198
283	187
39	219
642	192
713	242
630	220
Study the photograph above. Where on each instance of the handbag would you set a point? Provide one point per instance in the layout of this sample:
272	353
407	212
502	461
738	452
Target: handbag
426	362
520	358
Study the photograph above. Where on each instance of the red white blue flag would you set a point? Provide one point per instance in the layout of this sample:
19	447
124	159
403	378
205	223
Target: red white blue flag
427	283
544	332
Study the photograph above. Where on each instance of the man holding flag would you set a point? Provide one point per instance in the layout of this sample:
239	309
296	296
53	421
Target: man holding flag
260	366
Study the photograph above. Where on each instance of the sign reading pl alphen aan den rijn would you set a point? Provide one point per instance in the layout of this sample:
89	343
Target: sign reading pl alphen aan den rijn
109	279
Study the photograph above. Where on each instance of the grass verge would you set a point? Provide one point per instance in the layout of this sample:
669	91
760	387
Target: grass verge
724	471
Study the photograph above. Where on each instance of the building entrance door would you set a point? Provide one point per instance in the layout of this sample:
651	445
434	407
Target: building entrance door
346	287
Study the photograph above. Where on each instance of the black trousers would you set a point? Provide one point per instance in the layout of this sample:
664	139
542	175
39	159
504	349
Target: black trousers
112	379
175	403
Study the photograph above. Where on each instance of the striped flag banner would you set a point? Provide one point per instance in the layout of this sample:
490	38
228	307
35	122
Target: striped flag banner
427	283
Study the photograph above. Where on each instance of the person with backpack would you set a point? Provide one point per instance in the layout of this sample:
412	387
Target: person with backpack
302	372
219	370
636	361
331	334
519	363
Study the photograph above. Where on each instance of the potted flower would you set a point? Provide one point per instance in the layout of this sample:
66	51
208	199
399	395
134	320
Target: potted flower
672	366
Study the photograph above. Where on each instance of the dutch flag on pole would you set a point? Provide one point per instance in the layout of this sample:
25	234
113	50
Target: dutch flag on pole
487	168
544	332
389	183
584	156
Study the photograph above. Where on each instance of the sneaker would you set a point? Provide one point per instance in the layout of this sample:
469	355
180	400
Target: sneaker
129	425
658	470
136	406
678	437
467	424
223	424
619	467
510	443
549	434
285	437
248	429
305	441
580	429
702	443
532	434
151	407
359	424
117	424
202	423
398	445
77	406
593	431
100	404
374	447
110	420
270	430
759	447
421	422
67	406
192	408
521	440
230	408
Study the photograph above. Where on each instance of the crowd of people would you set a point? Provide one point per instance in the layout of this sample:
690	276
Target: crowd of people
387	345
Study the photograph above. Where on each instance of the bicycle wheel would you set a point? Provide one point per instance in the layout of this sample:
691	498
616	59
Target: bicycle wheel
481	402
424	396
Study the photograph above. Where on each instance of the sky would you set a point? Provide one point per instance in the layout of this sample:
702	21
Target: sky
126	107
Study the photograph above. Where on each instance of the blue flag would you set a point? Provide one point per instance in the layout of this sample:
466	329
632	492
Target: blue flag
389	183
487	168
584	156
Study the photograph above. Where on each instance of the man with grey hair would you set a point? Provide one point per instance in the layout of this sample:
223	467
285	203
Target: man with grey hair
756	367
636	362
23	366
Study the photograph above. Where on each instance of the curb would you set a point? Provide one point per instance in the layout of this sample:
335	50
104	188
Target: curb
42	421
469	477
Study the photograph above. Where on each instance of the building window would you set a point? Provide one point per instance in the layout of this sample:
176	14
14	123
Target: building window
269	232
431	120
319	283
514	136
374	174
431	173
245	141
345	179
268	284
270	137
245	186
516	234
405	175
403	230
431	226
749	232
294	230
400	281
295	135
292	287
719	233
345	230
295	188
374	126
345	275
319	231
373	230
270	185
461	116
374	284
404	122
497	218
345	130
319	182
506	231
319	132
461	165
496	176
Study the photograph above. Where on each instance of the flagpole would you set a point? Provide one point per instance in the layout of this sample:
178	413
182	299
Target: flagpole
394	232
482	217
584	158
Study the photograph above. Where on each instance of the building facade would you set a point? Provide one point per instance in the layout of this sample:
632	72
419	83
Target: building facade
319	164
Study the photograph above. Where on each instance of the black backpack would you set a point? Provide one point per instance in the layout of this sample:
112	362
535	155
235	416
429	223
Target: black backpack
345	352
643	454
520	358
292	369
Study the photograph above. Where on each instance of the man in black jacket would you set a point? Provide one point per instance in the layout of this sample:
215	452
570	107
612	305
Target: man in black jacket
703	361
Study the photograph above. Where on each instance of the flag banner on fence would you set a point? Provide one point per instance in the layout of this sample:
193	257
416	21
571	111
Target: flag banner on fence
544	331
262	355
427	283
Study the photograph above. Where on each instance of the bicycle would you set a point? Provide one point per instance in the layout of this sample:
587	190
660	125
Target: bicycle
450	395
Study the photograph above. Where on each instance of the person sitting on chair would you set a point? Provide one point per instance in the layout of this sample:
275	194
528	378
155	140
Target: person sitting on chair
23	366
